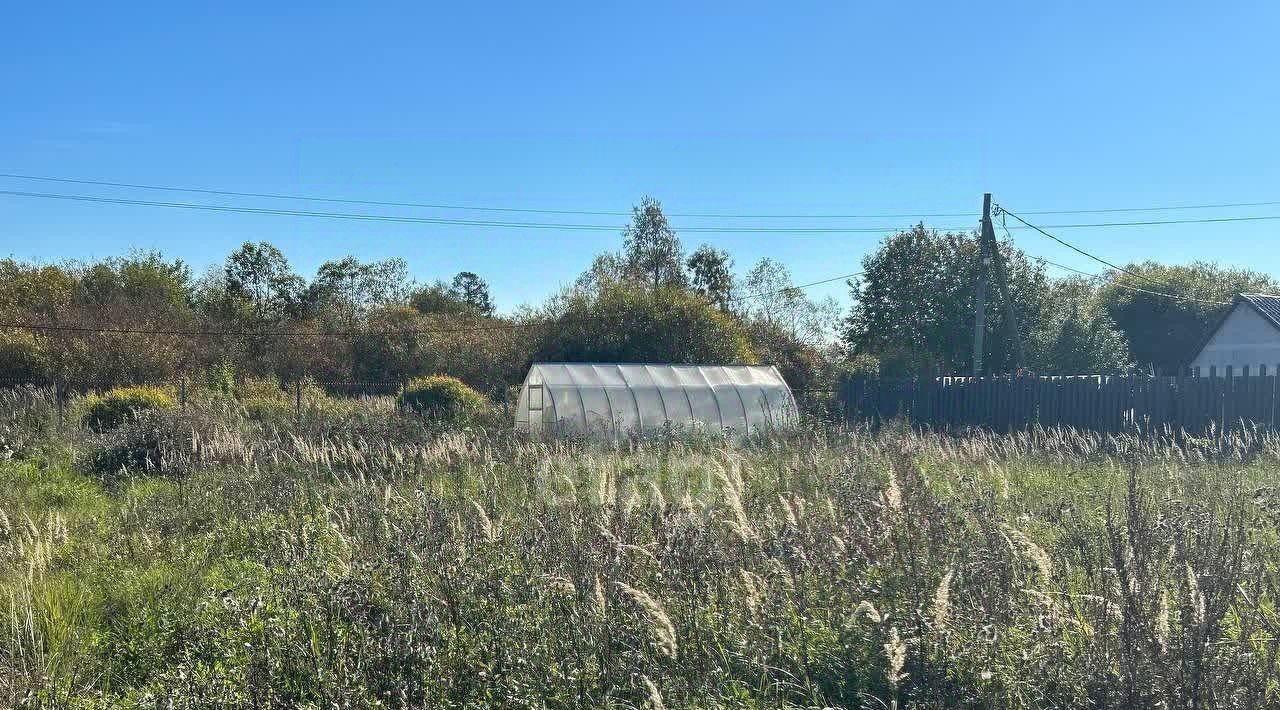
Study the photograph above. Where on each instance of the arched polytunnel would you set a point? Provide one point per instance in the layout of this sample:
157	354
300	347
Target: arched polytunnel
621	398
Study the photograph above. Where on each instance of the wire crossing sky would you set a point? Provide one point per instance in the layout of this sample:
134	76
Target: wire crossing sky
798	132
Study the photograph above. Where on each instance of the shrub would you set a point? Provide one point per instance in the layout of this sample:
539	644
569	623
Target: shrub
623	322
136	444
260	388
24	357
269	410
220	378
441	395
109	410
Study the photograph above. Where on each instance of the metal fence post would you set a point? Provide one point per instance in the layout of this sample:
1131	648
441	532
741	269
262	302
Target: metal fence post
182	391
58	399
297	397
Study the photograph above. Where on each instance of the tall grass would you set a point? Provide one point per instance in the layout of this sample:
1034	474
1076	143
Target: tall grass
366	559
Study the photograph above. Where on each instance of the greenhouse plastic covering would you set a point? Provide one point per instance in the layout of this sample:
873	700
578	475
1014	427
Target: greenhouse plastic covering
633	398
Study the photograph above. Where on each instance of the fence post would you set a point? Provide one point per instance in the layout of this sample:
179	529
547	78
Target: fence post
297	397
182	391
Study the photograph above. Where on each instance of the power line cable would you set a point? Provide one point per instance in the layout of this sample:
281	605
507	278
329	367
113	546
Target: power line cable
440	220
1069	245
472	208
1157	222
1120	284
745	229
612	213
1109	279
1164	208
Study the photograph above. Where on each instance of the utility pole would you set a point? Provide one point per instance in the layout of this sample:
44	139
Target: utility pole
980	288
1002	278
989	258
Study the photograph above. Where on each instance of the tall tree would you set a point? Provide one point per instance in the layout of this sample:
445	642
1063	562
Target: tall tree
473	291
652	253
260	275
776	302
358	286
913	304
1074	334
1163	331
712	271
142	279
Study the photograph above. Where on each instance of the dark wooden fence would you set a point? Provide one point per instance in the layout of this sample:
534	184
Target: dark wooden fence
1095	402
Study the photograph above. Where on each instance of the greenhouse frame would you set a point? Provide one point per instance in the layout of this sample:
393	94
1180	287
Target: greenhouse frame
628	398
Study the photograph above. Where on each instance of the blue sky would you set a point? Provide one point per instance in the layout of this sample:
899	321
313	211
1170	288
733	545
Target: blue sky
744	107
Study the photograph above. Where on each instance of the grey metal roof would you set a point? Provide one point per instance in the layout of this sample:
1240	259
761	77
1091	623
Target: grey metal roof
1266	306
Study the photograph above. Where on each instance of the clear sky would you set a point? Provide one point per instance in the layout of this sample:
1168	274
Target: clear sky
742	107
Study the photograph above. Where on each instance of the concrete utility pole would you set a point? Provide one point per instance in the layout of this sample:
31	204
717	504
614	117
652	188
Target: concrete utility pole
989	257
1002	278
980	288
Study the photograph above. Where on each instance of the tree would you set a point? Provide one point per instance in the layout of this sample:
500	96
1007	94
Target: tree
260	275
626	323
142	280
913	304
1074	335
803	366
357	286
473	291
652	253
776	302
712	271
606	269
438	298
467	295
42	291
1163	332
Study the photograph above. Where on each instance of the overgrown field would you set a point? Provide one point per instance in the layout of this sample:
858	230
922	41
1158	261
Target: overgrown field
361	558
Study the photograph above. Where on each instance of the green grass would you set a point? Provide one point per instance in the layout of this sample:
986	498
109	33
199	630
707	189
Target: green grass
374	561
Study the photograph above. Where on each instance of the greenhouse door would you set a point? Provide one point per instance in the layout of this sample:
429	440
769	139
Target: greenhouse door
535	409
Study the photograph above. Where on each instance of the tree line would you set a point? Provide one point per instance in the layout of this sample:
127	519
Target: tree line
650	301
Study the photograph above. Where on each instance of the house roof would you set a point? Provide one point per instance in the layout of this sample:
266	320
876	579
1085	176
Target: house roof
1265	305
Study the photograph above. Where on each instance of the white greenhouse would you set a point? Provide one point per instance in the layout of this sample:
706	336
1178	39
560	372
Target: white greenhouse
635	398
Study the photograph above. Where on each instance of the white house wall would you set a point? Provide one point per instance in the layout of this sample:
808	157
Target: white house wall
1244	338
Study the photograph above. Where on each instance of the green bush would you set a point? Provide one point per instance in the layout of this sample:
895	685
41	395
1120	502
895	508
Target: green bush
623	322
261	388
24	357
109	410
220	378
441	395
270	410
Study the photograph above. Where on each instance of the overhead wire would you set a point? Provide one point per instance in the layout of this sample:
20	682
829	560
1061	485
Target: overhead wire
1123	285
471	208
1002	211
405	219
1073	247
722	229
619	213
